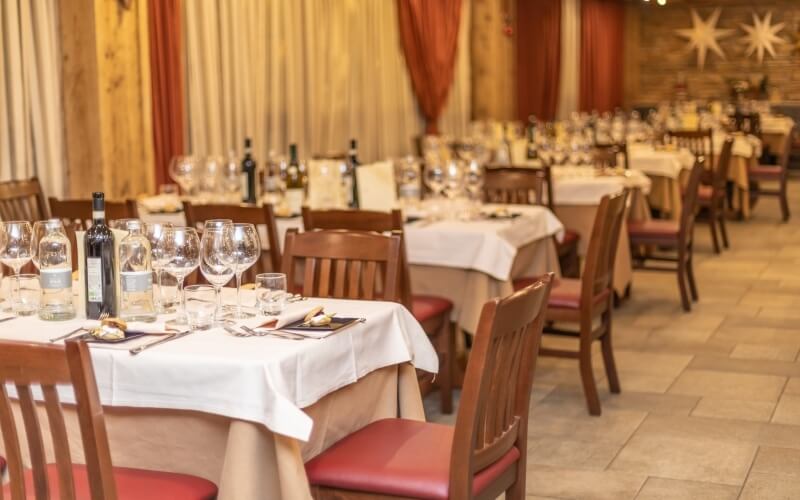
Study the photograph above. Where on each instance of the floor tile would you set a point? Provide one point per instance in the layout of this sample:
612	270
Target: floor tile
782	461
729	385
756	411
657	488
788	410
581	484
761	486
766	352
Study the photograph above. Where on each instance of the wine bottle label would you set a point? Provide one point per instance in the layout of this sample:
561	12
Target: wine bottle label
98	214
294	200
243	185
136	281
55	279
94	279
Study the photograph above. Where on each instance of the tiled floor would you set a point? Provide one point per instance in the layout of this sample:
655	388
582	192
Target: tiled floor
710	407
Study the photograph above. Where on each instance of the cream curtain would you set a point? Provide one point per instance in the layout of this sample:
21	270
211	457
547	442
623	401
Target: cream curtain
569	77
314	72
31	131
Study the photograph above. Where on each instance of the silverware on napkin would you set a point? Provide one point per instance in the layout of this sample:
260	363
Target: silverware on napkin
163	340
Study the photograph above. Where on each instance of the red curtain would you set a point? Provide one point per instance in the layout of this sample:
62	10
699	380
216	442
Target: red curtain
429	34
602	44
166	69
538	57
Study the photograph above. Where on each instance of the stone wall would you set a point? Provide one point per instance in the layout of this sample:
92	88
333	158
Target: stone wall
656	57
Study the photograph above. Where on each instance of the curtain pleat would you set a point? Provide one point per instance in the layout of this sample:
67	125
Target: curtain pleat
167	83
602	46
313	72
569	79
429	34
538	57
31	121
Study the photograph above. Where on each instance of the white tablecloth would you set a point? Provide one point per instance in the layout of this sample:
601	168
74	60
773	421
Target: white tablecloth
488	246
746	146
581	185
662	163
778	125
262	380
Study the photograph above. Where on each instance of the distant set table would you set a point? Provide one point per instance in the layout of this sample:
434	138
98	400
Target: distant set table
247	412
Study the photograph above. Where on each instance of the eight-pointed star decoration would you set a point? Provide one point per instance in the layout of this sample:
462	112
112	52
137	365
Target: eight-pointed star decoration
704	36
762	36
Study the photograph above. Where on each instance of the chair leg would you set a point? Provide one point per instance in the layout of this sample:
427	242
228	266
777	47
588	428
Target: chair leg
712	224
610	364
723	230
447	341
587	378
687	306
692	282
784	203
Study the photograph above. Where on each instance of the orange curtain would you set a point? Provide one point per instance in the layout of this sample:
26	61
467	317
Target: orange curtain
602	44
166	69
429	34
538	58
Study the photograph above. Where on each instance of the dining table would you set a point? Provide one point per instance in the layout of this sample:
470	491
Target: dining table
247	412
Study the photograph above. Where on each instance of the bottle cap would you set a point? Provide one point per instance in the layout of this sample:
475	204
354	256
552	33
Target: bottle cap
98	201
247	142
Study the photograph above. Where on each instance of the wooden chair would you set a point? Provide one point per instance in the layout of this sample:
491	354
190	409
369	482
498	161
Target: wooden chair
25	365
432	312
197	215
677	236
773	173
699	142
344	264
78	213
607	155
748	123
588	301
23	200
712	197
484	456
528	186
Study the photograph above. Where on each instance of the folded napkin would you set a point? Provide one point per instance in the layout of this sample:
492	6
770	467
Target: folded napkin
287	317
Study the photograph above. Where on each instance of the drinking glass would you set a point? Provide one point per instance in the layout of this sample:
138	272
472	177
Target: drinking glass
26	300
473	180
216	224
245	251
184	170
183	250
18	246
159	233
271	293
39	230
200	306
453	179
434	178
216	246
210	180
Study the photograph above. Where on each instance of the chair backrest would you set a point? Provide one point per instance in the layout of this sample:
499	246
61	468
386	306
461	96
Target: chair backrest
749	123
607	155
23	200
598	272
78	213
689	202
516	185
197	215
493	413
366	220
25	365
720	176
344	264
699	142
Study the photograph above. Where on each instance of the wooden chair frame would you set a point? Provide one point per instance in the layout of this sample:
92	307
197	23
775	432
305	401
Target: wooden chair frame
783	181
699	142
23	200
683	261
716	204
596	301
606	155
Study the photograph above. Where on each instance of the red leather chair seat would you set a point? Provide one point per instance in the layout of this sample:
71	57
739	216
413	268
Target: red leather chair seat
654	229
2	464
570	238
565	294
766	171
397	457
425	307
132	484
704	193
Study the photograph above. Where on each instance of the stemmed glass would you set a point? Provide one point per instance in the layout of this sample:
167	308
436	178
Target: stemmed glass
183	250
245	251
159	233
453	179
216	247
18	239
183	170
434	178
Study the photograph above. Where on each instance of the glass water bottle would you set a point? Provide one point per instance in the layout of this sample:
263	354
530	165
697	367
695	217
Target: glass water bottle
136	274
55	273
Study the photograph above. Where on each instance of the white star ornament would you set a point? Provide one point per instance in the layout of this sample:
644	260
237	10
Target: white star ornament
704	36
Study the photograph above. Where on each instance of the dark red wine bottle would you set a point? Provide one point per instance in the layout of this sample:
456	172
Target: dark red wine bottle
99	273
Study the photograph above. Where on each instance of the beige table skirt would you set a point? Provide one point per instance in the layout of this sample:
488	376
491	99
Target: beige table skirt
469	289
245	459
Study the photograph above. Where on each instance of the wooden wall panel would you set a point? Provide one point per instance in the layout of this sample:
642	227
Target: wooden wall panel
493	61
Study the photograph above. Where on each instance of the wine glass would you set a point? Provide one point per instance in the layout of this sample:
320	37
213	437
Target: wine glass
183	170
158	233
210	177
453	179
216	224
182	247
216	247
245	251
434	178
18	245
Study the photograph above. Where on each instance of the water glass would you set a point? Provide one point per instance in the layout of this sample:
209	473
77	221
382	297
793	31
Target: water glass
25	294
245	251
271	293
158	233
201	304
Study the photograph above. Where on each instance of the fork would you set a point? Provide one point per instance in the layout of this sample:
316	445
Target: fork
102	316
